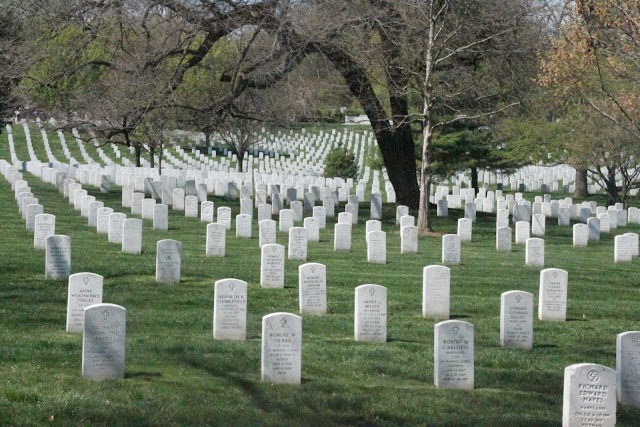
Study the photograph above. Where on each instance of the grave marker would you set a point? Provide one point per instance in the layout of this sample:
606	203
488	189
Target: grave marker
451	249
312	288
370	322
622	251
377	247
272	266
516	319
216	240
342	237
168	261
281	348
161	217
534	252
589	397
436	291
58	257
297	243
131	236
116	227
552	297
454	357
103	342
224	217
230	309
628	368
84	289
44	226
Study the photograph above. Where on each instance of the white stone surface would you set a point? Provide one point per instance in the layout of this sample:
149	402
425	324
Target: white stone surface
281	348
370	320
230	309
103	342
516	319
436	291
589	397
454	357
84	289
552	297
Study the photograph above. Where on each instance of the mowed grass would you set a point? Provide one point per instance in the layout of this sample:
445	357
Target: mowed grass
176	374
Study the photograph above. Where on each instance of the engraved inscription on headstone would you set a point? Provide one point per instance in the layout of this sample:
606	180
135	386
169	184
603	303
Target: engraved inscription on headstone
454	357
281	348
168	261
312	288
516	319
85	289
436	285
371	313
216	239
272	266
589	397
230	310
58	257
103	342
552	297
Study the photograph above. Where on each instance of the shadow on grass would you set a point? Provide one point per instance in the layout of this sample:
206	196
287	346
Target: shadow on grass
405	341
143	375
545	346
459	316
576	319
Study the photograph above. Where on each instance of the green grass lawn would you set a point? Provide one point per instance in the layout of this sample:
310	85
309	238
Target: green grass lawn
176	374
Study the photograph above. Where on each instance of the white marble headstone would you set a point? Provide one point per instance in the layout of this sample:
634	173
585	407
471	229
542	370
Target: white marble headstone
312	281
230	310
589	397
628	368
454	355
534	252
44	226
272	266
103	342
281	348
216	240
131	235
370	322
552	297
58	257
377	247
436	291
451	249
516	319
84	289
297	243
168	261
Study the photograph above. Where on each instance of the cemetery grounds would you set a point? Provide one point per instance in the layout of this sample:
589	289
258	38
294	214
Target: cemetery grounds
176	374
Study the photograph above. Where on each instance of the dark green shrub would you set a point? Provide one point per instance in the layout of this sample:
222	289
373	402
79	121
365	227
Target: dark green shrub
341	162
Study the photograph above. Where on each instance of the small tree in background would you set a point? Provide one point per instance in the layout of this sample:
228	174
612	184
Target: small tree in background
341	162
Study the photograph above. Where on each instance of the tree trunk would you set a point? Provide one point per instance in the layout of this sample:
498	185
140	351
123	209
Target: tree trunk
612	188
396	144
581	184
474	177
240	156
138	151
399	156
152	151
424	214
160	161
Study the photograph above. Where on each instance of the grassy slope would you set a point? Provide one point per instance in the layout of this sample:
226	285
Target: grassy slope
177	374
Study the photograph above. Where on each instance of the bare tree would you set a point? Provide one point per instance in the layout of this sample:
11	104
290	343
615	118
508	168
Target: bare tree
105	66
13	62
425	64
